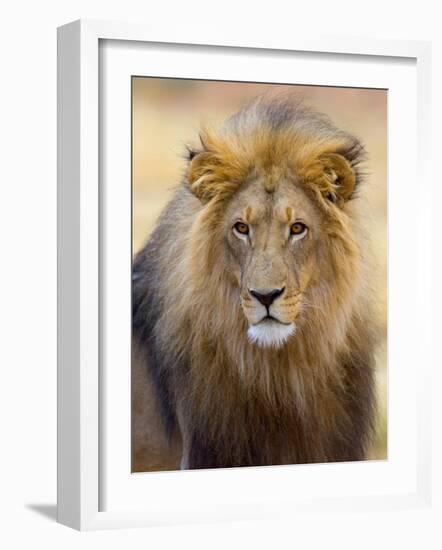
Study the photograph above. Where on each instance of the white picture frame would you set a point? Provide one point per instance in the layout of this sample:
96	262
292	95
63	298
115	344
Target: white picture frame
81	471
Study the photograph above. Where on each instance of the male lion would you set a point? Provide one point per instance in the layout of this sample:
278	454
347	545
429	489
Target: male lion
253	332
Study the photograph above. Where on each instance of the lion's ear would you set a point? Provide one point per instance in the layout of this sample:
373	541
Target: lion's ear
201	175
203	167
217	169
338	178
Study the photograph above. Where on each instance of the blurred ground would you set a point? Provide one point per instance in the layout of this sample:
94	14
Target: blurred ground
167	114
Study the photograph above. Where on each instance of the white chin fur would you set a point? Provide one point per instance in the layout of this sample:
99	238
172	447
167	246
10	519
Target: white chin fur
267	334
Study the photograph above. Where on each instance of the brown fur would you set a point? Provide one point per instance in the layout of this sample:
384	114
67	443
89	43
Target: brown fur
226	400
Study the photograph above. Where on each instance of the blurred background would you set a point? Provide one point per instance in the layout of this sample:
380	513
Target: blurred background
167	114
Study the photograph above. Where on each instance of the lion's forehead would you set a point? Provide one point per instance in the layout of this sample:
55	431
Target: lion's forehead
286	203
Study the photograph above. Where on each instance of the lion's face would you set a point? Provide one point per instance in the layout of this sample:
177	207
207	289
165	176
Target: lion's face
272	242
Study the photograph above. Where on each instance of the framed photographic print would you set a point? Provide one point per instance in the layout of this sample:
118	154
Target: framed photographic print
233	339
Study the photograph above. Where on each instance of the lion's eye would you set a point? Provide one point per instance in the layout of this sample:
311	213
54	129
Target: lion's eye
298	228
241	228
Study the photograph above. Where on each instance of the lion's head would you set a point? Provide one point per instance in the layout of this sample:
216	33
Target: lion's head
275	184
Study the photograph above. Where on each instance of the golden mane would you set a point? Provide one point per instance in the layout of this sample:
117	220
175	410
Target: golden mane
231	402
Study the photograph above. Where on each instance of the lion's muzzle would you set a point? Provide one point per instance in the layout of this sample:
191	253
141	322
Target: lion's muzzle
264	309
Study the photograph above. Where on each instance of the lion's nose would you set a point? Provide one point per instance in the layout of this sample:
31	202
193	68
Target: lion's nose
267	297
